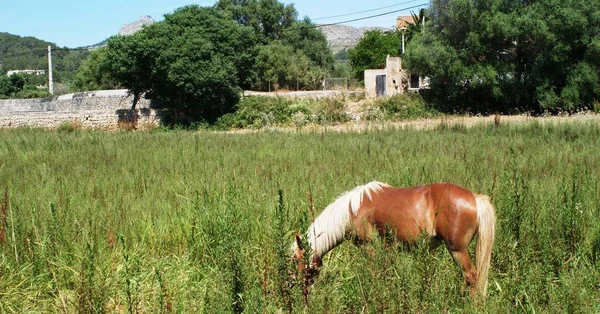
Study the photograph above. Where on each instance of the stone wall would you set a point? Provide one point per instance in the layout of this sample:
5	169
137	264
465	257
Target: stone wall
106	109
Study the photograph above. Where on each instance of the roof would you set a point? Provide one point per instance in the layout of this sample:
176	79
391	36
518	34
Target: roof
404	20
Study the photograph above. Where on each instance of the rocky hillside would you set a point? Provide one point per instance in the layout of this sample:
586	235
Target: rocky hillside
338	36
131	28
342	36
126	29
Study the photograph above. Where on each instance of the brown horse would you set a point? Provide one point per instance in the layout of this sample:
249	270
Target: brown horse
446	212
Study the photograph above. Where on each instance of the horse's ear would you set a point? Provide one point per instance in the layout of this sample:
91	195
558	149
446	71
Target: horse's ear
299	241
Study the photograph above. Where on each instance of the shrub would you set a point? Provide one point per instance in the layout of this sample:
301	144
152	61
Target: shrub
261	111
331	111
405	106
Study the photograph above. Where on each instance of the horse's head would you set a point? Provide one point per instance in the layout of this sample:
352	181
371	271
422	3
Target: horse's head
309	272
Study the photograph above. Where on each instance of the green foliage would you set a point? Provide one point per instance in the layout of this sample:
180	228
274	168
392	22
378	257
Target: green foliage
270	19
20	53
292	55
22	86
193	62
372	49
258	112
264	111
331	110
31	91
497	56
283	68
403	106
6	87
94	73
342	55
194	221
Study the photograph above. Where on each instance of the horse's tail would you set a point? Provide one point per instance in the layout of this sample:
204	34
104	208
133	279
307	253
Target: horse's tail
485	240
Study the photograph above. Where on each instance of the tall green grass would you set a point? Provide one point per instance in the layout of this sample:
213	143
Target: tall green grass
199	222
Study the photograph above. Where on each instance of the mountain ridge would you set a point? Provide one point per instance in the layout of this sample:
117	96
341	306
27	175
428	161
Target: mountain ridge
338	36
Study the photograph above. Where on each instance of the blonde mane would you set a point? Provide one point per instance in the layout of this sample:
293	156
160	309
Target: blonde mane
329	228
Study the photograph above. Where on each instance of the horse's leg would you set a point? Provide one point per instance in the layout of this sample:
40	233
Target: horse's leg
457	243
461	256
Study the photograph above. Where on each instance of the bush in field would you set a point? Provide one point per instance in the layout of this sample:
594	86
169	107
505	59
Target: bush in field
261	111
405	106
331	111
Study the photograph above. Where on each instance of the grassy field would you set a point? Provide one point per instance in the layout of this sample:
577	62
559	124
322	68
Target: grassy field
193	222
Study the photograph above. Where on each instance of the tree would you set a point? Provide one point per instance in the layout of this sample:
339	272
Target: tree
94	73
506	56
193	62
269	18
6	88
21	86
288	47
372	50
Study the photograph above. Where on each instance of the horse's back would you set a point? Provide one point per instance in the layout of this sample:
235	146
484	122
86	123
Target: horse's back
411	211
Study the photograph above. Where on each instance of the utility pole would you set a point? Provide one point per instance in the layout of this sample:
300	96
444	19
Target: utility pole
50	83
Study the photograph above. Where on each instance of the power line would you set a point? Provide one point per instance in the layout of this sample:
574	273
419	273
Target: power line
40	50
365	11
372	16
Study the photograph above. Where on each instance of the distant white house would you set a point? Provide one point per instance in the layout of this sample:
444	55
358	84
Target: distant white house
32	72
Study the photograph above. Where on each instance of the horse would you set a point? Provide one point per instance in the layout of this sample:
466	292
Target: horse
445	212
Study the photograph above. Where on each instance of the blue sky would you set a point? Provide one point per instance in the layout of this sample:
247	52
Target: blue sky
79	23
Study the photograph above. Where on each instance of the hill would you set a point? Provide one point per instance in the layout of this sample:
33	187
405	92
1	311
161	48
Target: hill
338	36
19	53
343	36
127	29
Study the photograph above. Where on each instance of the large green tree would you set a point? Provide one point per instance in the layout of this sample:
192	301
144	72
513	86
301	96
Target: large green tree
94	73
293	53
270	19
194	62
507	55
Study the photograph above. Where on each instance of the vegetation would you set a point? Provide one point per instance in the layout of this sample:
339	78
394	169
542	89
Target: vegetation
490	56
22	86
510	56
197	61
179	221
372	49
401	107
259	112
193	62
263	111
94	73
20	53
